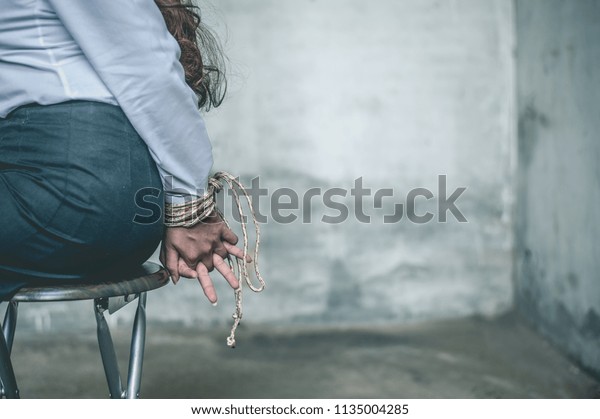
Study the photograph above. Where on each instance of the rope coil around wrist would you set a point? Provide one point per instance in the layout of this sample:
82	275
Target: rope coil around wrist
191	213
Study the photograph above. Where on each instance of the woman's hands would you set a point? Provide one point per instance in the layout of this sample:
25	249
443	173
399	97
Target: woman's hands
195	251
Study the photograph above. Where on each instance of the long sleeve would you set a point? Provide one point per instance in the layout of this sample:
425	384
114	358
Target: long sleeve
130	48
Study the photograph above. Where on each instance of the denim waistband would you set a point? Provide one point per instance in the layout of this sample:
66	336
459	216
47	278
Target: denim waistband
35	107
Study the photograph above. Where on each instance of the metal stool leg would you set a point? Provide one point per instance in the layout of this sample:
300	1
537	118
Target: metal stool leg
8	383
10	324
136	355
107	350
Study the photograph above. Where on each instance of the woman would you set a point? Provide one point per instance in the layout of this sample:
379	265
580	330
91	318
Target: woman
96	106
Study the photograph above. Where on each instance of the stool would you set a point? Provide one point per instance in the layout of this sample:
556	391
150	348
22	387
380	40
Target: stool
108	295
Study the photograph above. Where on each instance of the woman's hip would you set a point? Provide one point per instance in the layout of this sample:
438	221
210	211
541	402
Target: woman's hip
69	174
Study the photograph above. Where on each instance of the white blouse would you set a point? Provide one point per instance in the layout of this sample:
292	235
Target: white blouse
111	51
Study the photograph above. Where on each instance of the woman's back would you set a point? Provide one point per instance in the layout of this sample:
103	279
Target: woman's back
40	62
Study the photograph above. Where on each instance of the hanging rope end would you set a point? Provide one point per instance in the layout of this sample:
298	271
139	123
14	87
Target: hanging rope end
231	342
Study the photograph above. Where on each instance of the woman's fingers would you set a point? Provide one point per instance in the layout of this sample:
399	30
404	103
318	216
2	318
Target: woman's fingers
206	283
226	271
185	270
236	251
207	261
171	262
229	235
221	250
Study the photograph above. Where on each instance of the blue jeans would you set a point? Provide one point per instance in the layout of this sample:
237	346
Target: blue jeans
69	174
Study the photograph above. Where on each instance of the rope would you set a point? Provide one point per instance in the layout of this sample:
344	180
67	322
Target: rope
191	213
240	267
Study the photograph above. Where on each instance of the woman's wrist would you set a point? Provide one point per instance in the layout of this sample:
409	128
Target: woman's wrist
190	213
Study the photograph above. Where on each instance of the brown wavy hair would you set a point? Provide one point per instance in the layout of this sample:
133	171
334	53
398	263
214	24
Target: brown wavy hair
201	54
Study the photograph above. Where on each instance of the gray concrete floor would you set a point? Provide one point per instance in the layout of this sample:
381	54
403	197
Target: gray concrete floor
468	358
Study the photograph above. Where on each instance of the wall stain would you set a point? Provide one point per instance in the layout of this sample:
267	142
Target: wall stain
531	120
344	297
573	280
591	325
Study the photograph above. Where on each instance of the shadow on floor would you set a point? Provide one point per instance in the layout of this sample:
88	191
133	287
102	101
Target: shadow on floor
467	358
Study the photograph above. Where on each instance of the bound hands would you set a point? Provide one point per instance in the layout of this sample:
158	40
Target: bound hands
195	251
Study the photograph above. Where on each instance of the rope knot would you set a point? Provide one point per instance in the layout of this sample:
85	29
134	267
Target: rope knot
215	186
231	342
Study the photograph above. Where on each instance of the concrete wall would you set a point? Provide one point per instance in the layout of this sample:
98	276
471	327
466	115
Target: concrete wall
397	92
558	247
